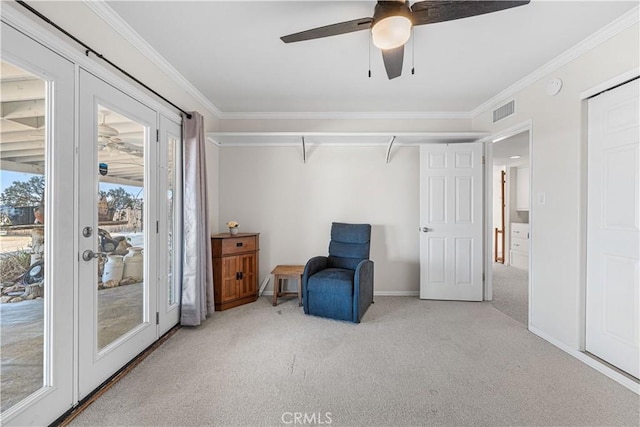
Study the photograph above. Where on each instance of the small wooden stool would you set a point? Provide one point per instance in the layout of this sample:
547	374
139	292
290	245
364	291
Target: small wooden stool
281	272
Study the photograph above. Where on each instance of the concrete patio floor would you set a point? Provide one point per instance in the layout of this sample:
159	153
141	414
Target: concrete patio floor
22	339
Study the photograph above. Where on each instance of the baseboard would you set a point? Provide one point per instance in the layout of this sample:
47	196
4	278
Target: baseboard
376	293
396	293
595	364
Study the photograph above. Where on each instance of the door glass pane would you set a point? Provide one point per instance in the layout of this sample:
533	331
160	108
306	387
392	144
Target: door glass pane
22	233
172	224
120	213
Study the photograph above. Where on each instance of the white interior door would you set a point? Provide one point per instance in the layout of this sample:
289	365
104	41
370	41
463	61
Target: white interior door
451	221
613	228
118	191
36	335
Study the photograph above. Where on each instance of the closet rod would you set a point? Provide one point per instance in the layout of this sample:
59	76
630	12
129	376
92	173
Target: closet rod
97	54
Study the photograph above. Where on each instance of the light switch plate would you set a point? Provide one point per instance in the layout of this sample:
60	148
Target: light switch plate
541	198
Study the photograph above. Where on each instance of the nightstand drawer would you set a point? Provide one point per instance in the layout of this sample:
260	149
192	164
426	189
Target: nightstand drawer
520	245
236	245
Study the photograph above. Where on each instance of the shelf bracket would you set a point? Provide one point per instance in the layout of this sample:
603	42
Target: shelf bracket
304	151
393	138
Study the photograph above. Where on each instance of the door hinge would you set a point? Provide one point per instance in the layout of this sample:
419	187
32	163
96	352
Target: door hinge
157	227
157	318
483	160
157	135
483	277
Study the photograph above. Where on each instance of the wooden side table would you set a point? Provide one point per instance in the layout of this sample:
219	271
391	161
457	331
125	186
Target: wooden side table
281	272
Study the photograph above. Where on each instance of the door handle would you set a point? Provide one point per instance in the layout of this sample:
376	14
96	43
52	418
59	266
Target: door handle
425	229
88	255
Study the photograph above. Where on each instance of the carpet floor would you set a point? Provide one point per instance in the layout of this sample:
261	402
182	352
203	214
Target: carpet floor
409	362
511	292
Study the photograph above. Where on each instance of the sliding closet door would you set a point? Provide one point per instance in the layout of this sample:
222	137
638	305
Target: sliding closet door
118	229
613	228
36	231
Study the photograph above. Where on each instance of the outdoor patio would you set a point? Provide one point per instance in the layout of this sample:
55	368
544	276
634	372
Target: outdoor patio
22	343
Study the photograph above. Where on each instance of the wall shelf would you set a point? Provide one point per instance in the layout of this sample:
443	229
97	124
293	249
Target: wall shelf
339	139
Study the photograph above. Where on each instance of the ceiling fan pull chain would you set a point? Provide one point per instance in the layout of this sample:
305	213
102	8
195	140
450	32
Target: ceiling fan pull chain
369	54
413	53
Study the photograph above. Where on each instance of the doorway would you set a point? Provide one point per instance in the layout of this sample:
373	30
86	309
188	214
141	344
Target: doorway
510	225
451	221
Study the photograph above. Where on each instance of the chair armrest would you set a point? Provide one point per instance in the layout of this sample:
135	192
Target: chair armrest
314	265
362	289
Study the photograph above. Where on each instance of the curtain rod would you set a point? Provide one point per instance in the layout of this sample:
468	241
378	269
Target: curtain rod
88	50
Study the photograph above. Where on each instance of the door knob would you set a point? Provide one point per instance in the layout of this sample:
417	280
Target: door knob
88	255
425	229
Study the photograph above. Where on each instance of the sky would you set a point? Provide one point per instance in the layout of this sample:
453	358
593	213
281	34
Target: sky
8	178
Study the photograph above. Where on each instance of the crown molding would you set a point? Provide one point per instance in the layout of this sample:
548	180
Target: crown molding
107	14
464	115
605	33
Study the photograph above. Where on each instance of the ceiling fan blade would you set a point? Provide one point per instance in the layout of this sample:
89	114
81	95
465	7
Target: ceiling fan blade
432	11
393	61
329	30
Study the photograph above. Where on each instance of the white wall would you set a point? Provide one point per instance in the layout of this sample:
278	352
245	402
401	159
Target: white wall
292	204
557	160
347	124
213	184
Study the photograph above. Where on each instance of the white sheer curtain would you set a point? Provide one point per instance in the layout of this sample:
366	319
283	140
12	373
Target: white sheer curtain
197	277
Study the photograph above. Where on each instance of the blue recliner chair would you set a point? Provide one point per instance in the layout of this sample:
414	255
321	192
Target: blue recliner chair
340	286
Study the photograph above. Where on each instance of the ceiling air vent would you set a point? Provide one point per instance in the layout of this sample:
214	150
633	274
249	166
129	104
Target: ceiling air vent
504	111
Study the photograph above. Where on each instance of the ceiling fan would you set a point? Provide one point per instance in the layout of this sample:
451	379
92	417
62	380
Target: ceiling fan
393	20
108	139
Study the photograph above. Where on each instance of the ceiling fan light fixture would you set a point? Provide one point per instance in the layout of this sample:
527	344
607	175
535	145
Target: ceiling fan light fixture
391	32
105	130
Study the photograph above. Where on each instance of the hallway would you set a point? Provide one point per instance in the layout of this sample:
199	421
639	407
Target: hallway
511	292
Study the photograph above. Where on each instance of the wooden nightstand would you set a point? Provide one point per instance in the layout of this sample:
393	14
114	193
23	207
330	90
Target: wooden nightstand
235	269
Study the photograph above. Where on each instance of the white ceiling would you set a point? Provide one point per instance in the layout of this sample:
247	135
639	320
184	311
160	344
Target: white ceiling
231	52
516	145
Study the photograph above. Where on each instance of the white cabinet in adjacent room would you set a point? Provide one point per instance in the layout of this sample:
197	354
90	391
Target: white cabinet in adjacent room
519	253
522	188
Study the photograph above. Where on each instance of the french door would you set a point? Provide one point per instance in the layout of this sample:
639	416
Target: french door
451	222
90	218
118	229
36	153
